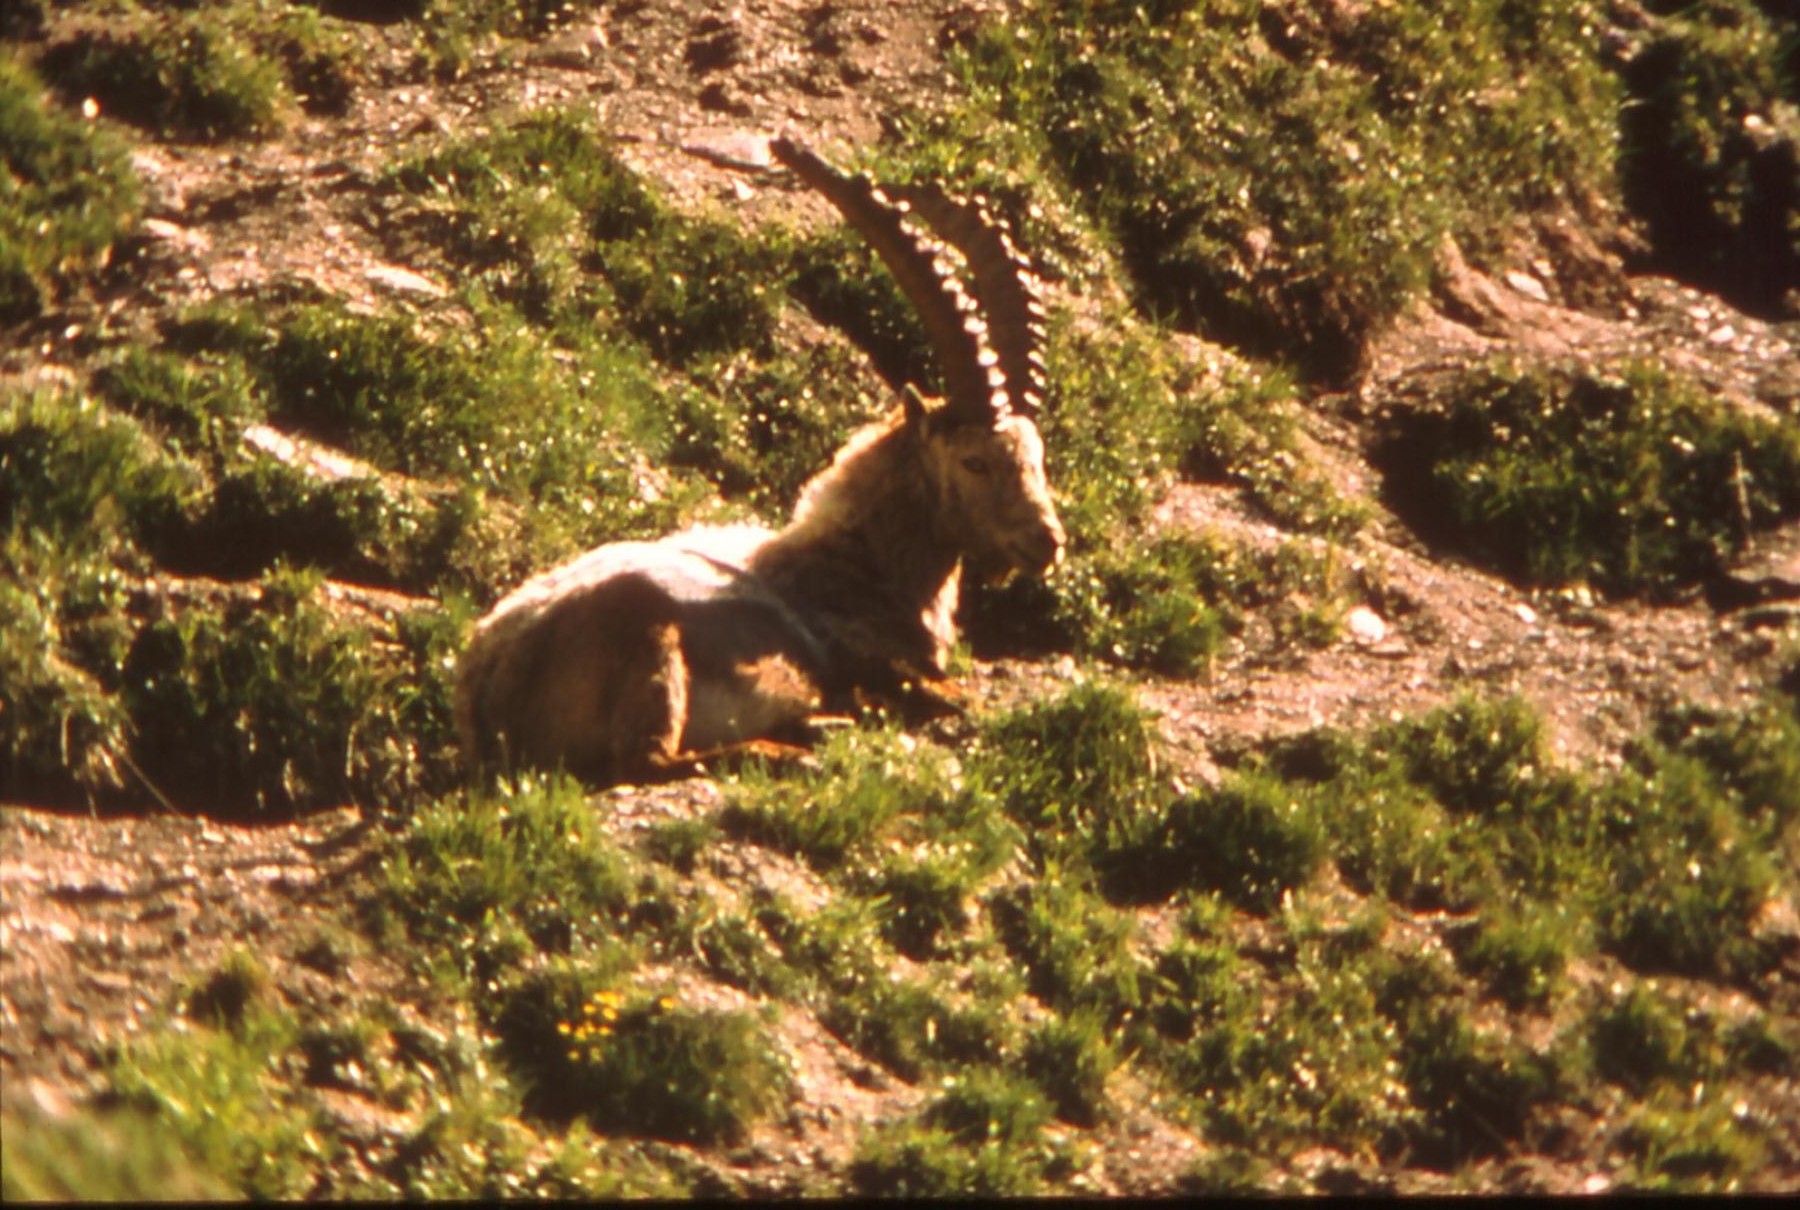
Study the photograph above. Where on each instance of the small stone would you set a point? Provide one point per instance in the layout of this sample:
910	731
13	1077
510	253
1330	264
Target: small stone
402	281
1527	285
1365	626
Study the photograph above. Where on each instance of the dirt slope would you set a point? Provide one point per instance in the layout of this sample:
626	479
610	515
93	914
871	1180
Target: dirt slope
101	918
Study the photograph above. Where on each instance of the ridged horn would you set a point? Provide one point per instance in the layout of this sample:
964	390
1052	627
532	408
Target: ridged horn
1002	281
975	382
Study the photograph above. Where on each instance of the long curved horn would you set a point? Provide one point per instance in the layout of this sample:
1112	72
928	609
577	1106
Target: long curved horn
1003	284
975	386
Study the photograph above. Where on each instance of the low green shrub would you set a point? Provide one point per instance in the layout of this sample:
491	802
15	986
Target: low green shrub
67	195
1069	1057
86	476
201	406
190	75
926	901
1133	606
982	1136
986	1104
1272	1061
866	785
1074	764
63	628
1254	841
915	1027
1074	949
639	1063
1476	1092
277	704
1665	863
1631	478
1641	1038
494	875
272	702
450	33
736	949
1691	1141
544	450
1522	952
1281	177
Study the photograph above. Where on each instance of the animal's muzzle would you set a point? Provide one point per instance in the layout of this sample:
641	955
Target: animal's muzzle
1042	551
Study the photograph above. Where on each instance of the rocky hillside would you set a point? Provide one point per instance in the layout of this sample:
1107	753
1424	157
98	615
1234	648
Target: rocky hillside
1398	789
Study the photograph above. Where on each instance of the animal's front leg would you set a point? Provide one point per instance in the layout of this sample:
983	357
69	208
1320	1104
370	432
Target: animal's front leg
916	696
778	753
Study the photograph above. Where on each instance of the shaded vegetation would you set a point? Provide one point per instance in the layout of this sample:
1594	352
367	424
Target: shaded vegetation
1710	149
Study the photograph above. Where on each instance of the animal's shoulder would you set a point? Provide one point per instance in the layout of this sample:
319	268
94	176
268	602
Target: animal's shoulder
731	545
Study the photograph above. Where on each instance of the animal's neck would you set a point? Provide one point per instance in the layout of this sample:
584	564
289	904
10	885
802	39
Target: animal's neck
867	556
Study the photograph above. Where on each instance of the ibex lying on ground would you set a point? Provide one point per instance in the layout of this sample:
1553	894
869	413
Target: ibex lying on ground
637	659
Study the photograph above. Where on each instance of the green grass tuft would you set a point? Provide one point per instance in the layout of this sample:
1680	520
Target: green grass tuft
69	195
218	1093
1631	478
981	1137
187	74
868	783
493	876
640	1063
1079	762
114	1155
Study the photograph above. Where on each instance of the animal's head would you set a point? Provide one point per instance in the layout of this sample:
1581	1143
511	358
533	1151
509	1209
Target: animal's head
981	444
993	494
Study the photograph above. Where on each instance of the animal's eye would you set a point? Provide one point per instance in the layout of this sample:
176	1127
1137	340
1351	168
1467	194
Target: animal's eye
975	464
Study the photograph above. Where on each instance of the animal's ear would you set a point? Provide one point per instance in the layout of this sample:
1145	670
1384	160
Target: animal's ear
918	416
927	417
